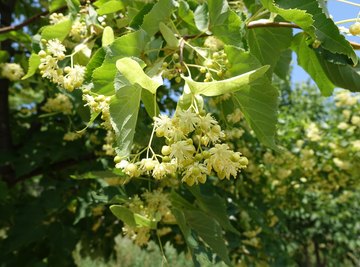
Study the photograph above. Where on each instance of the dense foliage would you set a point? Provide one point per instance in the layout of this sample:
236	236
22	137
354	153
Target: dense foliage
172	125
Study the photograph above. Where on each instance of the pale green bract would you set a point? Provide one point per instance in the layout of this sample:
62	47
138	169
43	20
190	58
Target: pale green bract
230	85
135	74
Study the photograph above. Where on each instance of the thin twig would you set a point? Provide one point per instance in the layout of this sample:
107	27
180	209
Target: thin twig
28	21
261	24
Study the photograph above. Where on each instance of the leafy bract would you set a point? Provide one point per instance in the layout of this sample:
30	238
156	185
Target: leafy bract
268	43
133	72
124	109
108	36
130	218
259	100
230	85
224	23
168	35
34	62
131	44
57	31
307	58
160	12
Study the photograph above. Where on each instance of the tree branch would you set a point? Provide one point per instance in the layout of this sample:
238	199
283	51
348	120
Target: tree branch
28	21
261	24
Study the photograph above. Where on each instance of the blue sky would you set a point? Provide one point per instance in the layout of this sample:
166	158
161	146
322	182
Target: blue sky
339	11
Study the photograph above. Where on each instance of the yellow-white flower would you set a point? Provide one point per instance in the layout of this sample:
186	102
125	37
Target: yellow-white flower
195	173
182	151
60	103
163	126
12	71
56	48
187	120
206	122
74	78
224	161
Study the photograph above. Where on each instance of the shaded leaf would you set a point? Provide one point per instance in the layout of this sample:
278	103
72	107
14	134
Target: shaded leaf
308	60
34	62
268	43
161	11
214	206
259	100
282	68
210	231
342	75
168	35
224	23
124	109
326	30
57	31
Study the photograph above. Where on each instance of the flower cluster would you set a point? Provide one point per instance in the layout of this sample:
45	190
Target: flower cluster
153	206
59	103
12	71
193	148
68	77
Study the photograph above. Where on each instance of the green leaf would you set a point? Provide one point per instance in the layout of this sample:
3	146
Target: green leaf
224	23
308	60
108	36
168	35
326	30
230	85
34	62
124	109
187	15
282	68
210	231
135	74
131	44
111	6
341	75
268	43
130	218
57	31
95	61
55	4
299	17
74	6
161	12
124	215
4	56
214	206
150	103
201	17
259	100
